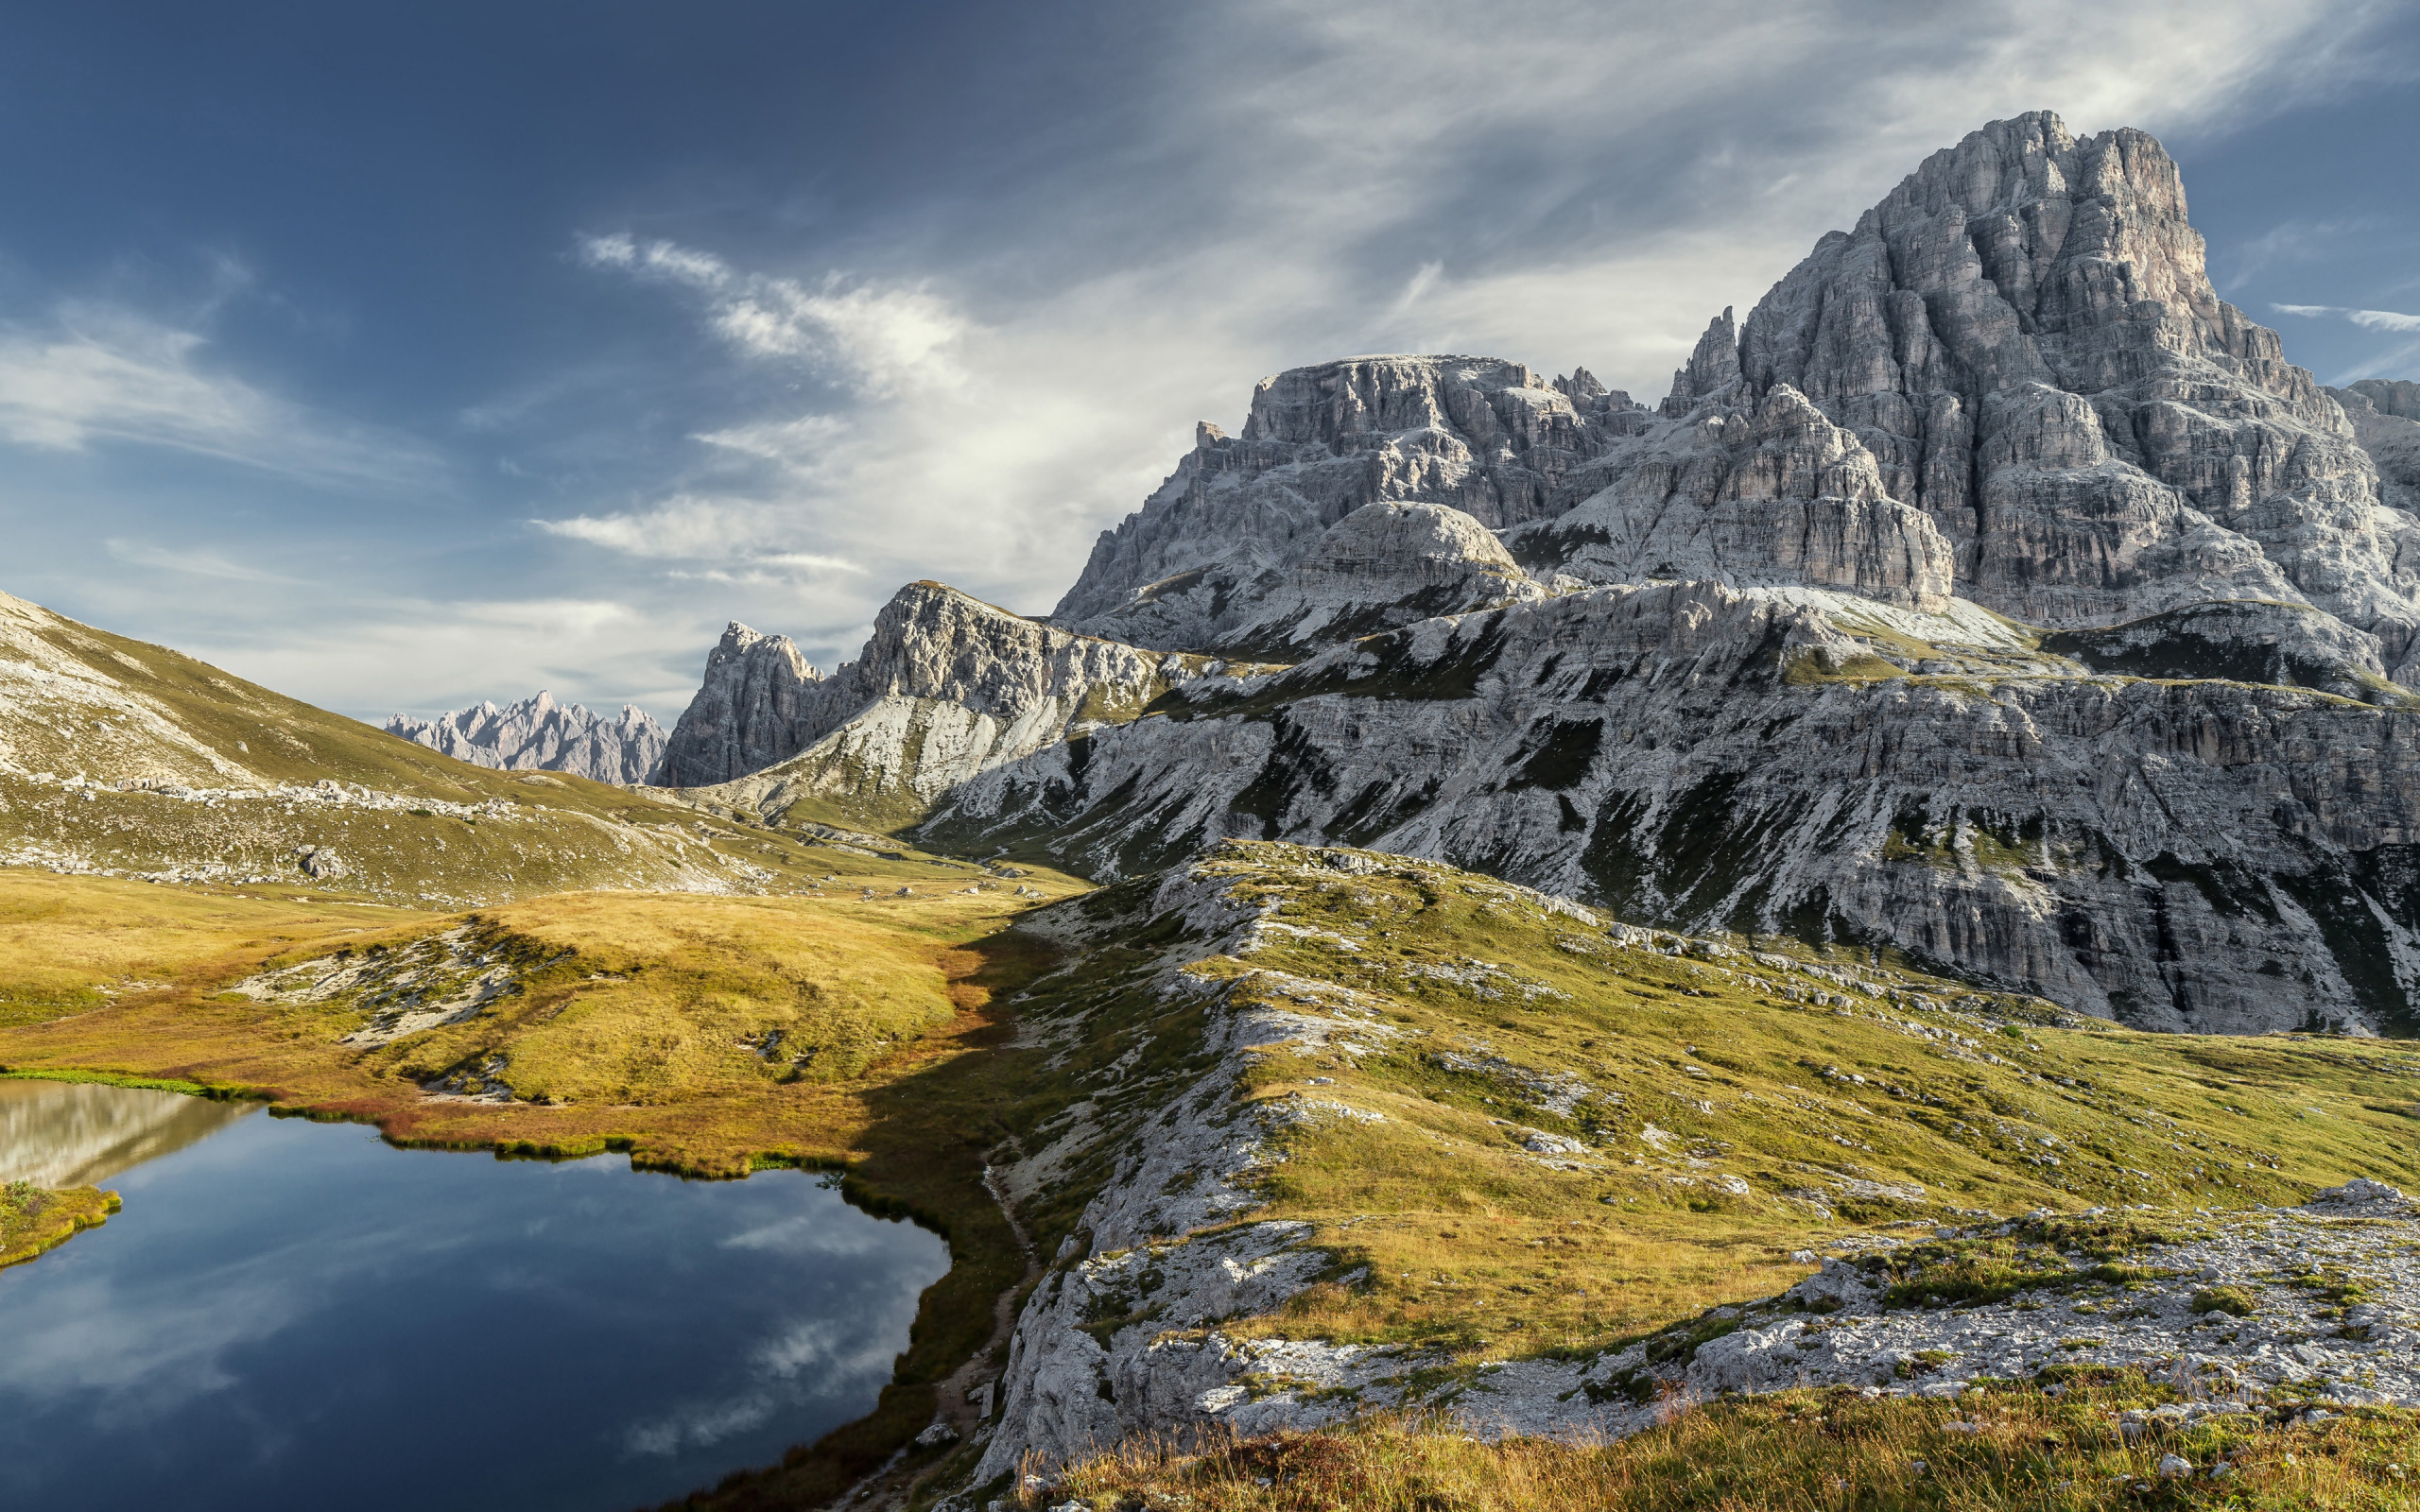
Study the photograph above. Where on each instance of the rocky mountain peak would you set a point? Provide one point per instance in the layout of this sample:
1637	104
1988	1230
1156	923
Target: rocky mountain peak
757	700
1488	438
539	734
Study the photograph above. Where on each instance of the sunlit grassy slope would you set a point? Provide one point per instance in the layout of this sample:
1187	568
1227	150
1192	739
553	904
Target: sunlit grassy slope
1708	1093
2004	1448
1729	1110
105	741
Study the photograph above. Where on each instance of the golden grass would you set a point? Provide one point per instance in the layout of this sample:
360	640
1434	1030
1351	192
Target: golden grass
1797	1452
1701	1071
640	1025
69	944
34	1220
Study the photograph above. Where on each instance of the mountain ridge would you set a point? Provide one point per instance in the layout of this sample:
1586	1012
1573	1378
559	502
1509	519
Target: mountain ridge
1993	592
538	735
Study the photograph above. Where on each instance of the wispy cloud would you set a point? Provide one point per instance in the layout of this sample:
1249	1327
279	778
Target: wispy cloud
881	337
96	375
2367	319
192	562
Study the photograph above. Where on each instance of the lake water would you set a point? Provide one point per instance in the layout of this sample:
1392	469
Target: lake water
295	1315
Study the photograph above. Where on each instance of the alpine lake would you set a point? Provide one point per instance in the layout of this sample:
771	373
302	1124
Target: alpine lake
289	1313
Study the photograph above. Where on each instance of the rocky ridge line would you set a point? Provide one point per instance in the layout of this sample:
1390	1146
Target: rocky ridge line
539	734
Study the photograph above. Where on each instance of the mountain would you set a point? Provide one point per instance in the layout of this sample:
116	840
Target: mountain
755	708
539	734
947	687
131	760
1993	595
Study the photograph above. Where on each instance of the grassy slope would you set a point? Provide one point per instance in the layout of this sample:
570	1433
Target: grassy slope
81	701
71	944
1802	1451
641	1031
1476	1244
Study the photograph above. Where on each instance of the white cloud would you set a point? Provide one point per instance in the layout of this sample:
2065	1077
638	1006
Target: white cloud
882	338
2367	319
95	374
192	562
424	656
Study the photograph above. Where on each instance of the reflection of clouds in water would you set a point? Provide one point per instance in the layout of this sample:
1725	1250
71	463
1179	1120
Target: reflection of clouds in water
806	1362
147	1344
146	1354
806	1236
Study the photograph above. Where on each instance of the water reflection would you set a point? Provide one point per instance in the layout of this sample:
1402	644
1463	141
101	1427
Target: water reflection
295	1315
60	1134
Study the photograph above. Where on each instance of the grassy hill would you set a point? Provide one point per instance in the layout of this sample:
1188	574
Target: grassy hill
127	759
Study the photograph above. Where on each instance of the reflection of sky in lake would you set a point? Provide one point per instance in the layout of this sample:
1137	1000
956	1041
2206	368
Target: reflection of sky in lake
294	1314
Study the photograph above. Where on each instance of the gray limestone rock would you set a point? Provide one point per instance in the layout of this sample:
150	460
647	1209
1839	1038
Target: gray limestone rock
2019	346
1488	438
539	734
1767	495
2204	854
760	701
2386	421
1380	568
2242	641
946	687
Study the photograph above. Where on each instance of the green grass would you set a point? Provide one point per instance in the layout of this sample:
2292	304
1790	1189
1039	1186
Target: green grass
34	1220
2017	1450
110	1078
1903	1101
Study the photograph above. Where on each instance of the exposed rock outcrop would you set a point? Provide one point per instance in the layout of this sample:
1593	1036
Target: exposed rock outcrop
947	687
2195	854
760	702
1488	438
1380	568
2386	421
539	734
1776	495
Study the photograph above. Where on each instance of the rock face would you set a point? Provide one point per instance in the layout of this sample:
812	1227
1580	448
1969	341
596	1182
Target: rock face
2386	420
1775	494
946	687
2193	854
1381	567
1489	438
2012	382
539	734
759	699
1993	592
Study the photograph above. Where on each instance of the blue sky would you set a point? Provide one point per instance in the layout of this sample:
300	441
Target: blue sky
403	357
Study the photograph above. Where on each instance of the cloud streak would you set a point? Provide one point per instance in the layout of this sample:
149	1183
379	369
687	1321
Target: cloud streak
99	375
2366	319
880	338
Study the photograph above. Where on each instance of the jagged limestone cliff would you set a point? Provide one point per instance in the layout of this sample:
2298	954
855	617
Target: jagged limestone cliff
947	687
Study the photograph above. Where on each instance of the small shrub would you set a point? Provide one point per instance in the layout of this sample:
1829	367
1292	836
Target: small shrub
2232	1301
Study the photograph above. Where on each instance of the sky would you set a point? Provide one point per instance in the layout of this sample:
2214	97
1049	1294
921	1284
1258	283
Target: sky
404	356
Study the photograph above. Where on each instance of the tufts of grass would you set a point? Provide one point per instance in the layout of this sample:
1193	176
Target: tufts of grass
1734	1102
35	1219
2010	1448
2235	1301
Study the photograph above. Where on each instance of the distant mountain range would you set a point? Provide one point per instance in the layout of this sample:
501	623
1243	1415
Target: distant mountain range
539	734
